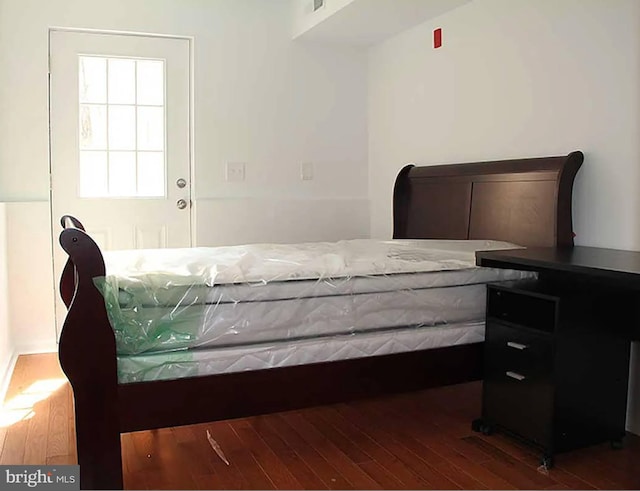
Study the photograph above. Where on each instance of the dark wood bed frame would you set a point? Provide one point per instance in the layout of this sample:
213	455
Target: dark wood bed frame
525	201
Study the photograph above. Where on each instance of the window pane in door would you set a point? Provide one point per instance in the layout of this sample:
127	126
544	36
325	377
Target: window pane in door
93	174
150	79
93	127
151	174
150	128
93	79
122	81
122	173
122	127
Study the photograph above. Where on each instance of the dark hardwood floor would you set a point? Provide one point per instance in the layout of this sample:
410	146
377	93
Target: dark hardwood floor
410	441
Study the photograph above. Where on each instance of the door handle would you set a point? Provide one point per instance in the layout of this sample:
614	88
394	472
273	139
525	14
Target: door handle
181	183
181	204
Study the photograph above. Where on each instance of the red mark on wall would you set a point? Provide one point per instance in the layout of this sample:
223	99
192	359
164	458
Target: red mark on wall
437	37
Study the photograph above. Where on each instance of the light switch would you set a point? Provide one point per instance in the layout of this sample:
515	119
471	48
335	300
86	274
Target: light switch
306	171
235	171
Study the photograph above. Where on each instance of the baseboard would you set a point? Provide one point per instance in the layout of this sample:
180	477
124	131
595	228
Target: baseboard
5	375
36	348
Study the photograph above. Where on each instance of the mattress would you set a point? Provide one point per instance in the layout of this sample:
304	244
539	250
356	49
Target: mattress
268	263
222	323
194	363
165	300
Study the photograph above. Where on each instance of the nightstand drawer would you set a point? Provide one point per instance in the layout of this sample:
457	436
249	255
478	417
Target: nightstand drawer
517	350
522	308
521	405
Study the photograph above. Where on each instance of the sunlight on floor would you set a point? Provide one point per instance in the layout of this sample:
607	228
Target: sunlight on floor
20	407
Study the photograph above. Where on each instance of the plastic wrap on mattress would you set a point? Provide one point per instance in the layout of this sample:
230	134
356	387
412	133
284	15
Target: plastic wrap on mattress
176	299
195	363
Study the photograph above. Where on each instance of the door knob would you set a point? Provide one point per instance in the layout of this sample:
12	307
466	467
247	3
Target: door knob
181	183
181	204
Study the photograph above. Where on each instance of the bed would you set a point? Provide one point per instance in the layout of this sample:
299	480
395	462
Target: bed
147	384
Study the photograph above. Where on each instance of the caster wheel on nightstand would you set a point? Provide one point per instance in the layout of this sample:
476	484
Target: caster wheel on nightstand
487	430
547	461
479	426
617	444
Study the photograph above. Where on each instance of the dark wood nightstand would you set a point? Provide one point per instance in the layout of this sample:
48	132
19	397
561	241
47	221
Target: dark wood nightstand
557	348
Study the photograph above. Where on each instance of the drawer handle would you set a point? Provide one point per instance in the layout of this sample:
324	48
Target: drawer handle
516	376
515	345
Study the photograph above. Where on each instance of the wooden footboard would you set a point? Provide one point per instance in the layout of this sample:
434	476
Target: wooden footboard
87	353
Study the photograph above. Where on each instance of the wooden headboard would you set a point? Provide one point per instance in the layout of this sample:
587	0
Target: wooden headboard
524	201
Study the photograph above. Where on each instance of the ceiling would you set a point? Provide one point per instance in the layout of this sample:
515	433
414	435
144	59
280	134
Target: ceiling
367	22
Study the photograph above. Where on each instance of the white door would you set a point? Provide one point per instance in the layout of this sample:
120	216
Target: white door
120	139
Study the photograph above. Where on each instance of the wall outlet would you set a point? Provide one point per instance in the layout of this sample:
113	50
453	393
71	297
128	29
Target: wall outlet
235	171
306	171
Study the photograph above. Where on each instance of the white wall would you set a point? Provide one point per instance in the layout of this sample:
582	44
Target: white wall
6	346
281	221
513	79
260	98
30	277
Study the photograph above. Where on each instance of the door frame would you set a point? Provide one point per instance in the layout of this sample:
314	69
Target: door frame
55	226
